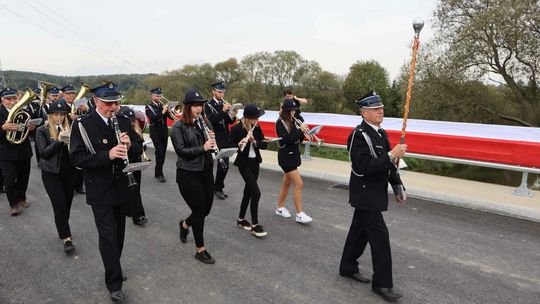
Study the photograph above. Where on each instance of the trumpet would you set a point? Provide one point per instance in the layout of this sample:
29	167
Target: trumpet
171	113
234	109
248	136
131	178
207	136
307	132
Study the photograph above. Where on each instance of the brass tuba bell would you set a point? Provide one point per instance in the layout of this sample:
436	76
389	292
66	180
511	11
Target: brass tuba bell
19	116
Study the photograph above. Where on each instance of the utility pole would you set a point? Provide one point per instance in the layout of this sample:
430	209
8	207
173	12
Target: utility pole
2	78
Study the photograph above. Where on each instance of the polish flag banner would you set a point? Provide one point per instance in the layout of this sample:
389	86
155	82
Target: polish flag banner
511	145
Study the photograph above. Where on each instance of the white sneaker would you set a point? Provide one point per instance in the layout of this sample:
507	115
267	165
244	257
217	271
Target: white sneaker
303	218
283	212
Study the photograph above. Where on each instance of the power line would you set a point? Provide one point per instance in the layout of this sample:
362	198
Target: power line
27	20
48	16
80	31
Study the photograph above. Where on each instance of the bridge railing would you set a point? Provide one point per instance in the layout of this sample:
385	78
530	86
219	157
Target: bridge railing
521	190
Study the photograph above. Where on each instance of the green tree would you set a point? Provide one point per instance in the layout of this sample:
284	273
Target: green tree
365	76
495	39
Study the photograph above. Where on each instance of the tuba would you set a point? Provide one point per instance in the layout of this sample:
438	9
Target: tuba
21	118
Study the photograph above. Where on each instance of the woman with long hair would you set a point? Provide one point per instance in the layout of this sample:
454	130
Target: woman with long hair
289	160
249	138
194	142
57	171
135	208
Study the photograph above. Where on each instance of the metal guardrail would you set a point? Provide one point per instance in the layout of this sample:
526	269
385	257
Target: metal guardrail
522	190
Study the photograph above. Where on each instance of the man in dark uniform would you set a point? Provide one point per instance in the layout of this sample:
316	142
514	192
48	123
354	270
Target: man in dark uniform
14	158
95	149
159	131
218	112
68	98
373	167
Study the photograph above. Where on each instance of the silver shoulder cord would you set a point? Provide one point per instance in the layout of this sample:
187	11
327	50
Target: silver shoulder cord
371	150
86	139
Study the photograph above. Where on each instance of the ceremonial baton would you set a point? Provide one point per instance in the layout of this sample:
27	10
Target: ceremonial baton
418	24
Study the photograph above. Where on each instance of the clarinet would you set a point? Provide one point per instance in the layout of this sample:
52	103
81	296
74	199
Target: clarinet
131	179
206	131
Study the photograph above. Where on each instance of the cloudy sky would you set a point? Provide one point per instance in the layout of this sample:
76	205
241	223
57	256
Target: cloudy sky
79	37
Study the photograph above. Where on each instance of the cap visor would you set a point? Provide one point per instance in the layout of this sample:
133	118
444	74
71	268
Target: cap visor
110	98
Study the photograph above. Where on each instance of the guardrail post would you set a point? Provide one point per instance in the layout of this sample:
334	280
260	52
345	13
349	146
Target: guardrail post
522	190
306	155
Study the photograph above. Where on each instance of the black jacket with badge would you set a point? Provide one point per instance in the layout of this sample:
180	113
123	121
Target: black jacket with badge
368	184
238	132
51	151
9	151
289	145
105	182
220	121
158	121
188	142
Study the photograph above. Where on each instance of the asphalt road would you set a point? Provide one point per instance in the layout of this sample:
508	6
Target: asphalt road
441	254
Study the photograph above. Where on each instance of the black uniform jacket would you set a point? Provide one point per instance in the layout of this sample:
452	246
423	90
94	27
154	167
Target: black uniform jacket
188	142
51	150
289	150
9	151
220	121
105	182
158	121
368	184
238	132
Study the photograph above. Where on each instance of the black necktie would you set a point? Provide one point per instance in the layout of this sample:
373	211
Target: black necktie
381	132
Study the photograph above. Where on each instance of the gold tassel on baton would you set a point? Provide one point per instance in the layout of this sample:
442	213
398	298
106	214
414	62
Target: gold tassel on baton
418	24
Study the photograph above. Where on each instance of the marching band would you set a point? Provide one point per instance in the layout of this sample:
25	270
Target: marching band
100	142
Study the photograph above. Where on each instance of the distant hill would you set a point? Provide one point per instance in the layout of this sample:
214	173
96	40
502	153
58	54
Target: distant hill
22	79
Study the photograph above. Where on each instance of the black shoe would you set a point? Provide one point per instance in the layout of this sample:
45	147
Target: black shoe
357	277
161	179
220	194
80	191
389	294
183	232
68	246
258	231
124	276
243	224
117	296
205	257
141	220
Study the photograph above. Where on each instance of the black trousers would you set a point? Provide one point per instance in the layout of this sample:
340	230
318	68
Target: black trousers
252	193
1	179
368	227
79	179
160	139
60	188
16	174
135	208
198	191
221	173
111	224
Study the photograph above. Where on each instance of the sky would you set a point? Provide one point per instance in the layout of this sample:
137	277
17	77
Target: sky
81	37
